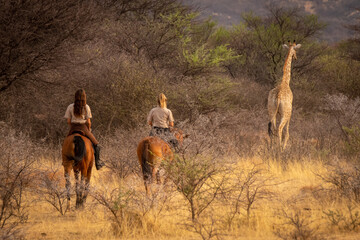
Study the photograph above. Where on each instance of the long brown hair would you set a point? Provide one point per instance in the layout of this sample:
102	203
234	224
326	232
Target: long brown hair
80	102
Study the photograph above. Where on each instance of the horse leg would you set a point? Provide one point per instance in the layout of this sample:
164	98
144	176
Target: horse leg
147	179
154	174
67	171
147	187
158	178
82	190
87	184
77	188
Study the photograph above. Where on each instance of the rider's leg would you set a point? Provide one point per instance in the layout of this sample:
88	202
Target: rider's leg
98	163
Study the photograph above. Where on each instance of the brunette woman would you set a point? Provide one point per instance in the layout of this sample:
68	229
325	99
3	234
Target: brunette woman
78	115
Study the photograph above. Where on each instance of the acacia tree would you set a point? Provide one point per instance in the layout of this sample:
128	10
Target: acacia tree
169	35
260	39
33	33
353	44
41	44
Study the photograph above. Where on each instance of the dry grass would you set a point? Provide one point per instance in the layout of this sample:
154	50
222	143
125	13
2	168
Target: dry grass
297	192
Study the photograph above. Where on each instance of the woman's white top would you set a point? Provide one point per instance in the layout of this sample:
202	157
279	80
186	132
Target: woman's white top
75	119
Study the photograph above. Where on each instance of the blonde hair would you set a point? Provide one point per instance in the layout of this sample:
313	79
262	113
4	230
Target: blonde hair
162	100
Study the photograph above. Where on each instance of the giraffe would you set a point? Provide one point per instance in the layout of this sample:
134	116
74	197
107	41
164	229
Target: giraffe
280	99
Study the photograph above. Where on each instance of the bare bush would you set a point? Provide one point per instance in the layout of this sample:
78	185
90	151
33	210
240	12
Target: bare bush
207	229
246	189
195	179
346	111
297	224
119	152
33	32
348	220
344	179
129	210
52	189
16	173
117	201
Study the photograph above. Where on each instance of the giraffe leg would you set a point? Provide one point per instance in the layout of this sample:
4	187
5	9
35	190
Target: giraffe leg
281	127
272	126
286	133
273	107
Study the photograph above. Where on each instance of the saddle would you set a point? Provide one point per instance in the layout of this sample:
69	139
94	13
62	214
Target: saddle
77	132
166	135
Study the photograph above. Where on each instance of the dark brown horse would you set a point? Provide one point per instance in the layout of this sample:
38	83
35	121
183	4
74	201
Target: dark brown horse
78	155
151	151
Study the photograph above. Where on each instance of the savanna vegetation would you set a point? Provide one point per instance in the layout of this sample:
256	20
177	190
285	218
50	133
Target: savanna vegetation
226	182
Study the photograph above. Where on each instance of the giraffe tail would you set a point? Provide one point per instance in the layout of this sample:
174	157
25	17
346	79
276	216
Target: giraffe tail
273	117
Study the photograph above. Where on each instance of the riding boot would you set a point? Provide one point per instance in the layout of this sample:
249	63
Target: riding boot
98	163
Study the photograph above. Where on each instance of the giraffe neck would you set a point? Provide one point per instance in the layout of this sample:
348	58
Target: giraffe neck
287	70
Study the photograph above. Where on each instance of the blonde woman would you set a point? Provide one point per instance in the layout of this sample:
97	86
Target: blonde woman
78	115
161	119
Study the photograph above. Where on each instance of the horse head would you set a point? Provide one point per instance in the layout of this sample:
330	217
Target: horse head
179	135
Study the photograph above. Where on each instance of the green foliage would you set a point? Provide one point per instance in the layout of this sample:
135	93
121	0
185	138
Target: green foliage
263	37
202	95
221	35
341	73
194	179
353	143
202	58
216	94
199	52
180	23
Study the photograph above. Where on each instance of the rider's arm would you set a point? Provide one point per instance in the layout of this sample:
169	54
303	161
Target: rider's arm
68	121
171	119
88	123
149	117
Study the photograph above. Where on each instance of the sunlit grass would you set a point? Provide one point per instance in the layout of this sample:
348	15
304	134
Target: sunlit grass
294	189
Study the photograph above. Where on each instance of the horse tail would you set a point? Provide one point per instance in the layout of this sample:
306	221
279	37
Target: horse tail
79	149
146	169
269	129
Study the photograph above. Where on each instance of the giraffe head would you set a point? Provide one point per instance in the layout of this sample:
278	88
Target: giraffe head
292	48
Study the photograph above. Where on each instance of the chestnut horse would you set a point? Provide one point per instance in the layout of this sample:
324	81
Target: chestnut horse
151	151
78	155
